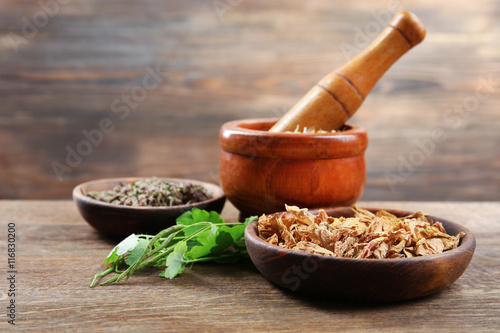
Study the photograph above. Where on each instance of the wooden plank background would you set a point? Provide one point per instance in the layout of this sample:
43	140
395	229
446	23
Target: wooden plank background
67	67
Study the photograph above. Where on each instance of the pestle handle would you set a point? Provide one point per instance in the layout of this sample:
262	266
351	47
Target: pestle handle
336	97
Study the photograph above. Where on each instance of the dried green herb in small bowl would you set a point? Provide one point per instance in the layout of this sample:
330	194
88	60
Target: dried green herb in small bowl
122	206
153	192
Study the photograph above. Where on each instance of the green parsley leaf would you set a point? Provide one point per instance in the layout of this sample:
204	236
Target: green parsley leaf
137	252
223	240
215	218
126	245
203	245
175	261
200	215
191	218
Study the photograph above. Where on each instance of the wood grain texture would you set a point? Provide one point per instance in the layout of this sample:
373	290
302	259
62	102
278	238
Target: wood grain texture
58	254
254	60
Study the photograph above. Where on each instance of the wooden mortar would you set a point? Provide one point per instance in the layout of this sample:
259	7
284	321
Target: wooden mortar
336	97
261	171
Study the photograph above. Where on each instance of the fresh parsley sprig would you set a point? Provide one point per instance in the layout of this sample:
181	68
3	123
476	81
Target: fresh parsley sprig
197	236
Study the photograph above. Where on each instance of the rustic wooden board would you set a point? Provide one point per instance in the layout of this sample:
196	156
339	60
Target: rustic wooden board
58	254
254	60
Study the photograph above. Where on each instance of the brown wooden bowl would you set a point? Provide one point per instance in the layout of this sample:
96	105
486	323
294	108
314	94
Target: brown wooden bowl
379	280
261	171
120	221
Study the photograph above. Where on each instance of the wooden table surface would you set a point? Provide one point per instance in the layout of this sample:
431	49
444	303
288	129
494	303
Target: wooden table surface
57	255
220	60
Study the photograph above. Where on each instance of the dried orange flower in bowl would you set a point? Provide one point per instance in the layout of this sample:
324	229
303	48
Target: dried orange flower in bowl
380	235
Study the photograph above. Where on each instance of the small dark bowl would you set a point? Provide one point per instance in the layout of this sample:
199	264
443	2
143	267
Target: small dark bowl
376	280
120	221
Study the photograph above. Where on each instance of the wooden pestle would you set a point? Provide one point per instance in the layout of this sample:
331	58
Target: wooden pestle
334	99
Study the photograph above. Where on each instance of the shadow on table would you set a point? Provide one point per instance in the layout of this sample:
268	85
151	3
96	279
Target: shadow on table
337	304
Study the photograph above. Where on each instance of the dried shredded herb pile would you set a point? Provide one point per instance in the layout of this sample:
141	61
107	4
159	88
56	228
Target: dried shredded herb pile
153	192
366	235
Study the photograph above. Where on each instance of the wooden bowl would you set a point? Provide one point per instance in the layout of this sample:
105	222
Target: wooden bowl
260	171
379	280
120	221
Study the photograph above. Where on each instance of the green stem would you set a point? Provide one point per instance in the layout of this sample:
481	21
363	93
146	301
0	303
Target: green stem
173	229
106	272
151	261
144	262
140	264
146	253
163	244
210	258
151	256
113	279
